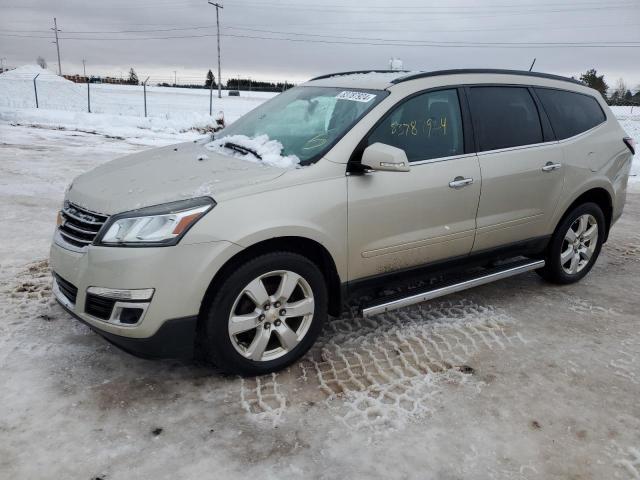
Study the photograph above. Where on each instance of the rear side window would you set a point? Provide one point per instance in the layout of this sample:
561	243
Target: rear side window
425	126
504	117
570	113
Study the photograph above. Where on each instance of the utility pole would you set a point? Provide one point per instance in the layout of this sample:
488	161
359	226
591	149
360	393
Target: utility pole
57	42
218	7
175	78
2	64
84	67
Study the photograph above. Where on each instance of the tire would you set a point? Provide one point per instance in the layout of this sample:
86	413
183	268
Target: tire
264	316
569	261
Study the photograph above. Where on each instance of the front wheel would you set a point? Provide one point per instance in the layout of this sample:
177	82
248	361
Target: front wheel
575	245
266	314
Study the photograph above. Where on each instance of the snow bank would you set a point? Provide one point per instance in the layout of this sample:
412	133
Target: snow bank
54	92
117	126
30	71
270	151
57	93
629	118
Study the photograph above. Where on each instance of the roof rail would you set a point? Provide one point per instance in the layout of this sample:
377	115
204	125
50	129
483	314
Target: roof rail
356	72
484	70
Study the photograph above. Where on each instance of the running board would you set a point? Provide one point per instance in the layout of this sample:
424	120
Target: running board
497	273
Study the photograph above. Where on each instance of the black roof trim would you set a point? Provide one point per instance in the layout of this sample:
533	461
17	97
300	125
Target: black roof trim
484	70
356	72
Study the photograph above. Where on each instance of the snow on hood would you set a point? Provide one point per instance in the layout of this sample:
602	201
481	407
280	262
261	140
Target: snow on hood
270	151
162	175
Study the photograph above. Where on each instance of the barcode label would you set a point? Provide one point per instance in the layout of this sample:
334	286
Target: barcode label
355	96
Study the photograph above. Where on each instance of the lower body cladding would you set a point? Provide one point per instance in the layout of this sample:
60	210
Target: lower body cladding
144	300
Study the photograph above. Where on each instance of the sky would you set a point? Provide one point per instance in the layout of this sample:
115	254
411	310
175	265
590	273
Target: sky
295	40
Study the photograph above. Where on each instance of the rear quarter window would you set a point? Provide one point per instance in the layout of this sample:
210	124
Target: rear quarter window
570	113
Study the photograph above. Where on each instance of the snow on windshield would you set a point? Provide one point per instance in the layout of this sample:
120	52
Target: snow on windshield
269	151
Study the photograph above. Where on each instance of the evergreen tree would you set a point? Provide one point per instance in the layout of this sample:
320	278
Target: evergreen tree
42	62
210	82
591	79
133	78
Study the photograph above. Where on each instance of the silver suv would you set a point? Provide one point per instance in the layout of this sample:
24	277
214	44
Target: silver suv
237	248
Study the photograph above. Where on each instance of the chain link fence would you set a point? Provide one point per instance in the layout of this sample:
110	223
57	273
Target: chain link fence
153	96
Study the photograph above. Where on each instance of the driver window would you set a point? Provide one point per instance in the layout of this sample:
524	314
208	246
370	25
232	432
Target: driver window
426	126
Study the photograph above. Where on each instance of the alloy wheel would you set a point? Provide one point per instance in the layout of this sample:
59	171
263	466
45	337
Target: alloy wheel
271	315
579	244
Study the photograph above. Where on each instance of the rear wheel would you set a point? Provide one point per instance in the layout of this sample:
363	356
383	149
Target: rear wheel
266	314
575	245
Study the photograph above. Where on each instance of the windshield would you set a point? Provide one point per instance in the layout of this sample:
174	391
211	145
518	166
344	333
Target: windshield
307	121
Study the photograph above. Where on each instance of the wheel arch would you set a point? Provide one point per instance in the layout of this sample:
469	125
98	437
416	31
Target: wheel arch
601	197
304	246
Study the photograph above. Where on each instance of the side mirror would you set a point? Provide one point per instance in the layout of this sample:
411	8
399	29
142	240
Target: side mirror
382	157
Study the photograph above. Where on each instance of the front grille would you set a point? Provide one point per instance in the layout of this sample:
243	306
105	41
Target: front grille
99	307
79	226
66	288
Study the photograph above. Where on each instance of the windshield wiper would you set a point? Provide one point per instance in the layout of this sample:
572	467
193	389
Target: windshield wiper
242	149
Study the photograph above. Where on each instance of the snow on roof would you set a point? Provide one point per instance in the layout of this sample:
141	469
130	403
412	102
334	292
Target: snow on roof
30	71
373	79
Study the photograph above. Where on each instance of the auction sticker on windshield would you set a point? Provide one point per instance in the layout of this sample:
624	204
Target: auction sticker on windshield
356	96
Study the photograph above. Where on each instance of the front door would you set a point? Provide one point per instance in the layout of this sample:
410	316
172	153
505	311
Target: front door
399	220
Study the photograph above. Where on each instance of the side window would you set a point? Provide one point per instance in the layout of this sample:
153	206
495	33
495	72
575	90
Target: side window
504	117
570	113
425	126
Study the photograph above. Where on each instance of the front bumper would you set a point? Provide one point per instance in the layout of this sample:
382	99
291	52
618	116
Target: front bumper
174	339
179	275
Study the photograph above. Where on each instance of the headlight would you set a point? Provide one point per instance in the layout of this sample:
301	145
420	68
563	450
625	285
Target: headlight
160	225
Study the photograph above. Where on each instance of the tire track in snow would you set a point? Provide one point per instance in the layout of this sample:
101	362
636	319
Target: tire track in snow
624	251
386	370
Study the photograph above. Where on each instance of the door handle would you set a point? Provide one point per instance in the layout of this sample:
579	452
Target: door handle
550	166
460	182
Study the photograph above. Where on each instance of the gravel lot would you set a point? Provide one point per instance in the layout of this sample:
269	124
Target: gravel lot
514	380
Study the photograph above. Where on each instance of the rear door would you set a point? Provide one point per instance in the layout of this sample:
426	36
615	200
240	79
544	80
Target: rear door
521	164
399	220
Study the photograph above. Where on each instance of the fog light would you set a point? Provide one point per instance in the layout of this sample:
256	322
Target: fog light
130	315
117	305
122	294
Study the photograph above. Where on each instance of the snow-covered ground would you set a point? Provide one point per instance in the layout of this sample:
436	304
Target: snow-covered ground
514	380
477	385
629	118
117	110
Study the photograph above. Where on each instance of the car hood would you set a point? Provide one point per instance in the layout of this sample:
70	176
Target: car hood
162	175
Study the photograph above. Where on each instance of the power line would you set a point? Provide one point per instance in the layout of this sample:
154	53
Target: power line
244	27
400	40
341	7
390	42
428	7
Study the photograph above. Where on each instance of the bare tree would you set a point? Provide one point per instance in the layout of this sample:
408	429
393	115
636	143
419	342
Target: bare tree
42	62
620	90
